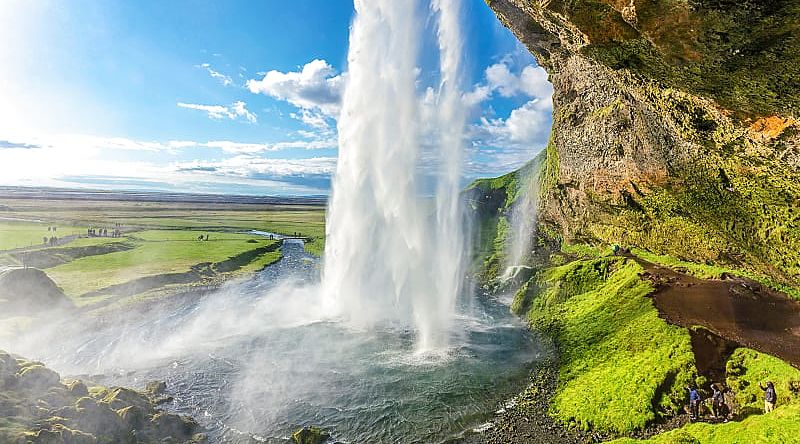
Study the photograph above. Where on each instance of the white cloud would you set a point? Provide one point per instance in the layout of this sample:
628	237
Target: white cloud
222	78
249	166
530	123
317	87
236	147
218	112
76	160
531	82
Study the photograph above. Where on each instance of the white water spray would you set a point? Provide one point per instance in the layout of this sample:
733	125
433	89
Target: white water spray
389	257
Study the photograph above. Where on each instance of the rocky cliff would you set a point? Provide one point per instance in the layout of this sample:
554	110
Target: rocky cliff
675	126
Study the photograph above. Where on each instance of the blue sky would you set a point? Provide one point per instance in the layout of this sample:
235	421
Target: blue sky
223	97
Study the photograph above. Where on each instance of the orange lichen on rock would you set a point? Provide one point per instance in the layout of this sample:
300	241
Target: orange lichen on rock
768	128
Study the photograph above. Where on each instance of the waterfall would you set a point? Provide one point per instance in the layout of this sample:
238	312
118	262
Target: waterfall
523	220
391	255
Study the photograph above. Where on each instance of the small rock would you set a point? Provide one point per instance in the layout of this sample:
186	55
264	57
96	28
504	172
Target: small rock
310	435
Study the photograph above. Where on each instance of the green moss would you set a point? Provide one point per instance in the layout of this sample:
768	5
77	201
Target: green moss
779	427
747	369
550	170
621	365
724	50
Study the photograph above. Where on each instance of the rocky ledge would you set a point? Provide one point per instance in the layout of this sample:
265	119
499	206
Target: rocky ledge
37	406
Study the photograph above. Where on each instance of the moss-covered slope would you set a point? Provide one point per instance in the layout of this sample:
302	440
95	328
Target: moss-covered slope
622	367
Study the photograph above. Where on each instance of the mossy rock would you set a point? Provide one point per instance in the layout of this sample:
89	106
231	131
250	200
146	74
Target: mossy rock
120	397
310	435
37	377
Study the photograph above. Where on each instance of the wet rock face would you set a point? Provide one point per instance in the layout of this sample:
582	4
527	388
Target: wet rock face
37	407
661	138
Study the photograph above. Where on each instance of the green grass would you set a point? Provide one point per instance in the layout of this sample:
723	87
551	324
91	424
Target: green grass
26	234
621	365
779	427
156	252
746	370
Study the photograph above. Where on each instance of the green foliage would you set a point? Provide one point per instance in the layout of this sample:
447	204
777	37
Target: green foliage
782	426
747	369
621	365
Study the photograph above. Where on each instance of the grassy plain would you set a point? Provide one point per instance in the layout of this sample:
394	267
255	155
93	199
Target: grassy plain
159	247
25	234
155	252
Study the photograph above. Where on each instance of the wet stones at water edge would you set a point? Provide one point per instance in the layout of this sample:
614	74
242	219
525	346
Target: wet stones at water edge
36	406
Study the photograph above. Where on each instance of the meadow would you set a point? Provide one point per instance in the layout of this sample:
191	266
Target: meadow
159	246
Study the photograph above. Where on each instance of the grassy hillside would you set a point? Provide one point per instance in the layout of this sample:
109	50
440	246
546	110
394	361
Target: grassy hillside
622	367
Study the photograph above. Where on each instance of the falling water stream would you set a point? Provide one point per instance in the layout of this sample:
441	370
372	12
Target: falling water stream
389	256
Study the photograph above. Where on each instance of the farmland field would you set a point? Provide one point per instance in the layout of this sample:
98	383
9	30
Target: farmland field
160	245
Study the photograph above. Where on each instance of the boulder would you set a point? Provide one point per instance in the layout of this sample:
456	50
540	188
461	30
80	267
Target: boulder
36	377
178	427
133	417
310	435
99	419
60	434
120	397
77	388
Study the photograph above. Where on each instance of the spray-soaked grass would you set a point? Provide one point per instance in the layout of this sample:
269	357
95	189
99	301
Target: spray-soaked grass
779	427
156	252
621	365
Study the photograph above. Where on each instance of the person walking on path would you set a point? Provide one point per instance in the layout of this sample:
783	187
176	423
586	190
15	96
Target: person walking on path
718	406
770	397
694	403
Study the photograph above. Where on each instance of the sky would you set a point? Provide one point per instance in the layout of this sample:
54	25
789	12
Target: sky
237	97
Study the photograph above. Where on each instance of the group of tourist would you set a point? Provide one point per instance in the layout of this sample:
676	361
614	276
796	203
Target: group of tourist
719	408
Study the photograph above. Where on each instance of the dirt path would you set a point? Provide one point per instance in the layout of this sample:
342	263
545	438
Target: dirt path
738	310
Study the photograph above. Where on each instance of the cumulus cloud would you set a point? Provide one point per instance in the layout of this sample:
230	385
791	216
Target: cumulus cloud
501	144
218	112
530	82
222	78
316	90
527	124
